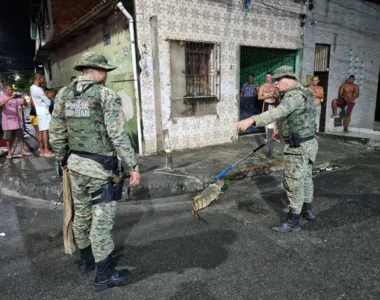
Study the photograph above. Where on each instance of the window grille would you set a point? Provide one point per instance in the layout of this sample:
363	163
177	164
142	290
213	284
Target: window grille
195	78
202	70
322	58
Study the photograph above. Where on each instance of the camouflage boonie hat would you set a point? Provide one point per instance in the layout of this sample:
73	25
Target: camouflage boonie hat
93	60
284	71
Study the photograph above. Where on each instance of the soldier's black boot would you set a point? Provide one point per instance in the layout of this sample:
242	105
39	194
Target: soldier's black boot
87	260
307	212
290	224
107	276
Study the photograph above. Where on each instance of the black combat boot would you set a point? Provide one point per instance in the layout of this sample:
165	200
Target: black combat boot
107	276
290	224
87	261
307	212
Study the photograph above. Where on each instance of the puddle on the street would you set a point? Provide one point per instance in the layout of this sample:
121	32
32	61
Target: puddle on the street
255	208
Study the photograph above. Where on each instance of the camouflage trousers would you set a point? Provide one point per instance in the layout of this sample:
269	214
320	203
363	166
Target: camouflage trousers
298	181
92	224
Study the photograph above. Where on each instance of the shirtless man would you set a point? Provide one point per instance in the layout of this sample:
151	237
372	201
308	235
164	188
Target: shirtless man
347	95
269	94
318	94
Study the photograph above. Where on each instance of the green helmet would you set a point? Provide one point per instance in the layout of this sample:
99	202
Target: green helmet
93	60
284	71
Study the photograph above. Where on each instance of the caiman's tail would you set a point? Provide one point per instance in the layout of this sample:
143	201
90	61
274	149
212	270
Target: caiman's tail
196	214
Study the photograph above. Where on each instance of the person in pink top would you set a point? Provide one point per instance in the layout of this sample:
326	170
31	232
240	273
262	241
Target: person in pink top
11	119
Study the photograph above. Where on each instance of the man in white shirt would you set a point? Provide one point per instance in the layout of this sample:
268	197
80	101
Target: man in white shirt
42	103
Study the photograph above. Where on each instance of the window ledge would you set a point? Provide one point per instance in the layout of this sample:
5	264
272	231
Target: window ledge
199	98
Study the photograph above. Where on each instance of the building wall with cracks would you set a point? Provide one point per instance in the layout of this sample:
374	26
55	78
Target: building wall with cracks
116	47
351	28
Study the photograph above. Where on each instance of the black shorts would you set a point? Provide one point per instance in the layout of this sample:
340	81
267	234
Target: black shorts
18	133
266	105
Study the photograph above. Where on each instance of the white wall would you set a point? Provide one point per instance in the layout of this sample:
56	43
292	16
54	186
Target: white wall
207	21
351	27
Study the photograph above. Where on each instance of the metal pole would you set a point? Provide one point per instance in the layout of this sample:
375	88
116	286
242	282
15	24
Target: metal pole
270	129
270	143
135	73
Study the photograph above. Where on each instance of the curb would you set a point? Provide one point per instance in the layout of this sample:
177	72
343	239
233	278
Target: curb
352	140
51	188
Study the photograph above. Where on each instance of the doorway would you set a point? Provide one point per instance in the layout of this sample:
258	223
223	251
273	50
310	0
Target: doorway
321	69
259	61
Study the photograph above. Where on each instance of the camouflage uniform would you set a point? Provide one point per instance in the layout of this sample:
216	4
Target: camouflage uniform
93	123
296	113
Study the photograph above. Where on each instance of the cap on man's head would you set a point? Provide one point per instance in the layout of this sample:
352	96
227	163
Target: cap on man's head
284	71
93	60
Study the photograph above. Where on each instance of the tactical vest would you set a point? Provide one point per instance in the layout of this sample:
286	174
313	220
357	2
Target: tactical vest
85	121
303	119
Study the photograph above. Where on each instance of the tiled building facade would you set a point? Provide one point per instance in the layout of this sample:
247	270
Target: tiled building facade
269	24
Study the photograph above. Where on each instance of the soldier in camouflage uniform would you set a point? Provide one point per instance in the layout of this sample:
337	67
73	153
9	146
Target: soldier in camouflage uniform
88	119
296	115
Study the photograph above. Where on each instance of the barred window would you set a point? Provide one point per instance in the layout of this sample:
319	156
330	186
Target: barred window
198	79
195	77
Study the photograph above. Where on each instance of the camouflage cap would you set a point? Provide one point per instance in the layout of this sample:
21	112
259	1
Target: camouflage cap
93	60
284	71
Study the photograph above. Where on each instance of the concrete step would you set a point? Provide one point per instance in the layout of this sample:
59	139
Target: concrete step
356	138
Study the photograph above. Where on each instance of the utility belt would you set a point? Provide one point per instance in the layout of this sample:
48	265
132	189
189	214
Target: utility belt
295	141
109	163
113	189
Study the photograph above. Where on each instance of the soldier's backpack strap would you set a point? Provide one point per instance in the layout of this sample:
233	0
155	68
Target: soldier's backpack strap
75	88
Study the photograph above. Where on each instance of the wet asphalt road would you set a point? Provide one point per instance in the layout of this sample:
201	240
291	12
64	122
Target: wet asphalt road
235	256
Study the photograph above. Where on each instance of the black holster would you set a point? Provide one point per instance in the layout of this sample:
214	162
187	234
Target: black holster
294	140
119	183
110	191
107	193
118	189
